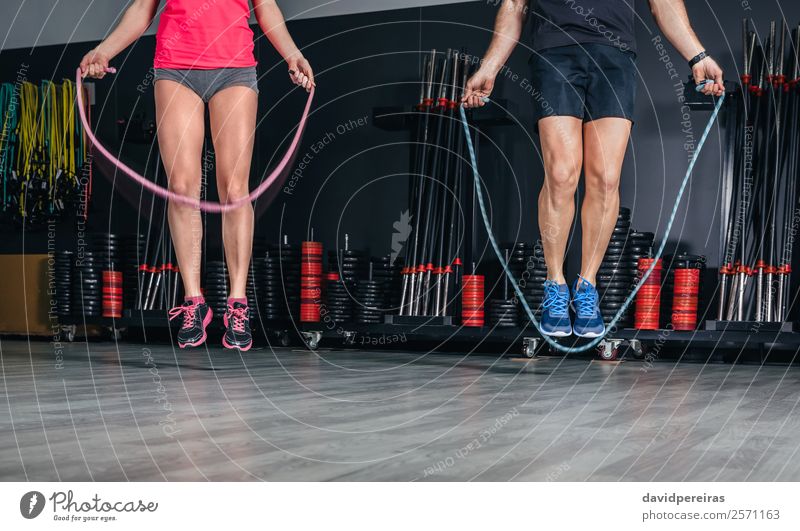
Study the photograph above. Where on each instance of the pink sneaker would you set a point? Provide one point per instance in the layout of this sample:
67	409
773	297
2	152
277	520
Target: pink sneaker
237	324
196	317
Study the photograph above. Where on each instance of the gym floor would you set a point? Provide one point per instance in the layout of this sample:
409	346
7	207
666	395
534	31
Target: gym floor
112	412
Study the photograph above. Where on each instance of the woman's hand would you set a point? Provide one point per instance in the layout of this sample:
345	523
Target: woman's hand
301	74
94	64
479	86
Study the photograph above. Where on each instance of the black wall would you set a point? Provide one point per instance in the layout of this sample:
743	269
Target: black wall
369	60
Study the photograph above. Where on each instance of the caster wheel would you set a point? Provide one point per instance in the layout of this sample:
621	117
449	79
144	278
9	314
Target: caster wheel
638	349
312	339
70	332
608	353
283	340
529	347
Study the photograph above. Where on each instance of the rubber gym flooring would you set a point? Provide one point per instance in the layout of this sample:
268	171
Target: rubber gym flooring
115	412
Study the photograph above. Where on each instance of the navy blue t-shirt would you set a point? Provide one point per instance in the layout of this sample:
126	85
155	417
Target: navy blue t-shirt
564	22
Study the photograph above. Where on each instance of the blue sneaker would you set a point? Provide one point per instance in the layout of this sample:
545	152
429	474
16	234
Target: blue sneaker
586	303
555	306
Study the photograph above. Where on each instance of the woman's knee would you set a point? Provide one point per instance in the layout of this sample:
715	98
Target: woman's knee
232	188
185	184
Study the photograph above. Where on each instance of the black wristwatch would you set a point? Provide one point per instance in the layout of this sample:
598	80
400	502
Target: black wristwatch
697	58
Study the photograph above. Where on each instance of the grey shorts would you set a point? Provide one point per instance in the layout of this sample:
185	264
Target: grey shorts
206	83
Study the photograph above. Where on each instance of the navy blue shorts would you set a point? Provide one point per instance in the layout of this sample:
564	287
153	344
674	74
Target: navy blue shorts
587	81
206	83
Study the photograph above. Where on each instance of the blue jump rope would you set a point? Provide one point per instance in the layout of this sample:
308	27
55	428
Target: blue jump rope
594	342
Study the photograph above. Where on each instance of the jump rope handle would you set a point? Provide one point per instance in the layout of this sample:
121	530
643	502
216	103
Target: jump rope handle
484	99
108	70
700	86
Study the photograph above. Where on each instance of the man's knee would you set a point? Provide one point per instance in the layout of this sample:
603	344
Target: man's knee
602	182
562	179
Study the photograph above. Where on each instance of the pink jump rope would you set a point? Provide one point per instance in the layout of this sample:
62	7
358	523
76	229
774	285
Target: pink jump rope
182	199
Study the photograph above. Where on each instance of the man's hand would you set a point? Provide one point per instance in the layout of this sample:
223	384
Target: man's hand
479	86
709	69
301	74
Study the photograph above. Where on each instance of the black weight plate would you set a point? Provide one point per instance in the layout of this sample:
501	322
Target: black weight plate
626	272
510	317
214	287
91	269
638	250
87	309
371	284
615	292
517	245
605	301
615	306
502	302
275	286
275	261
378	294
269	308
369	302
608	259
346	253
616	251
619	282
340	289
277	294
371	314
347	260
626	266
338	296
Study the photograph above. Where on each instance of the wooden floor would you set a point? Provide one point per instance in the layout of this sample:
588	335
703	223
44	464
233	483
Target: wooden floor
102	411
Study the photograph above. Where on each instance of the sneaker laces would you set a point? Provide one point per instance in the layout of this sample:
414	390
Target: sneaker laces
585	299
188	311
237	318
554	300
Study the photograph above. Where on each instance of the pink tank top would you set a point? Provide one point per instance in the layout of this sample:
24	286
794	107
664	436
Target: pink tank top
204	34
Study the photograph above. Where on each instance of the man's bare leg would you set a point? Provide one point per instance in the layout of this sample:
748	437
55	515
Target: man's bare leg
604	143
562	151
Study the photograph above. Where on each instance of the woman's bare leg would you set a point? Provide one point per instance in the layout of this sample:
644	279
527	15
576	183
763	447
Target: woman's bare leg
233	121
180	126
